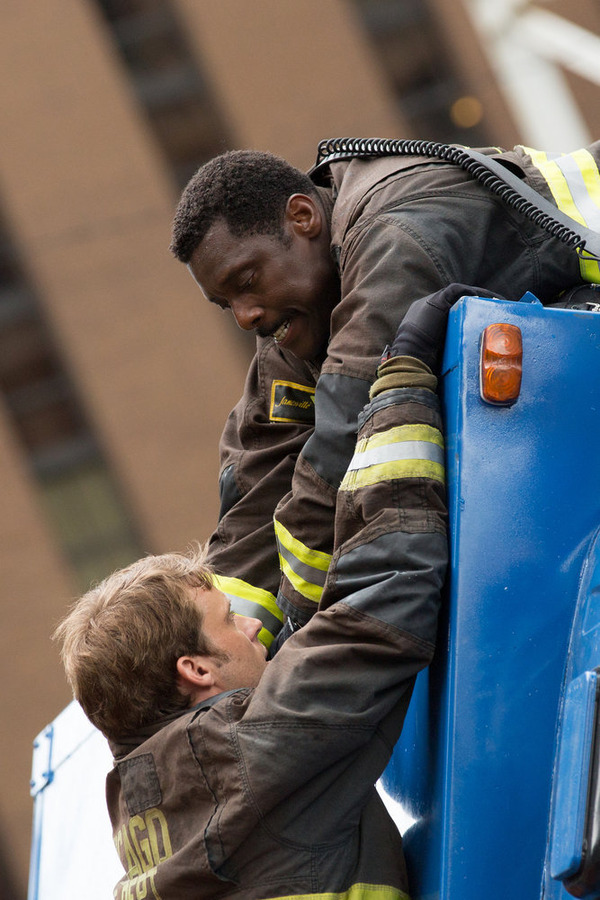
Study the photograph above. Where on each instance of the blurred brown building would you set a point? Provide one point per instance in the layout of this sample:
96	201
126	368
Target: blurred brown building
115	377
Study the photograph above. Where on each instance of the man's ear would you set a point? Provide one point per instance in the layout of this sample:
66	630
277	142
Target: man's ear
195	677
304	215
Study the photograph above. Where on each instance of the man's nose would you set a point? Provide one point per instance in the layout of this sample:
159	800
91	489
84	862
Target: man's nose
249	626
247	315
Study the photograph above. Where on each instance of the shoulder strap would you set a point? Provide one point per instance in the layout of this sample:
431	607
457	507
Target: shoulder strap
515	192
588	241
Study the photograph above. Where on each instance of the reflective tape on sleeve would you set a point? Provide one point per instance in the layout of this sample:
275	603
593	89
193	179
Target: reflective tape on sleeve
574	181
406	451
247	600
355	892
306	569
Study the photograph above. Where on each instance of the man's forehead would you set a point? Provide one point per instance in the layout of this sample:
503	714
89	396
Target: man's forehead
212	598
222	600
218	234
222	256
219	253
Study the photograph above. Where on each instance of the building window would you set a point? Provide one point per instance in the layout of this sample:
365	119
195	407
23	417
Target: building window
168	82
77	490
414	58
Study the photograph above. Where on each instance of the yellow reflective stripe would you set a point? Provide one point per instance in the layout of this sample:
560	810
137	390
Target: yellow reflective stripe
557	183
591	175
589	268
306	569
314	558
579	169
405	451
401	433
306	588
402	468
240	588
579	198
248	600
356	892
265	637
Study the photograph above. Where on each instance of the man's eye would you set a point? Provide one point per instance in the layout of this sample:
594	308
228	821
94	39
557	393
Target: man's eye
247	283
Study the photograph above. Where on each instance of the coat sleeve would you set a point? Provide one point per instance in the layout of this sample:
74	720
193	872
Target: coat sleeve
384	269
336	694
259	448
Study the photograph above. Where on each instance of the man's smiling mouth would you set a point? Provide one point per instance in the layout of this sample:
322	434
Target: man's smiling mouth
280	334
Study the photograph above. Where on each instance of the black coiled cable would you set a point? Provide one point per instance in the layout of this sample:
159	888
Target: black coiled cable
336	149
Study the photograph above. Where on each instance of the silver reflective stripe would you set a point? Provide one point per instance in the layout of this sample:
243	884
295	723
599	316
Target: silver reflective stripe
304	571
397	451
253	610
248	600
579	191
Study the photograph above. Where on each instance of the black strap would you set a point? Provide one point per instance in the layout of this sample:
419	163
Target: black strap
588	240
515	192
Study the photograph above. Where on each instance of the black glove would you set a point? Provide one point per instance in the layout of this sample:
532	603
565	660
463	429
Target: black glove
423	329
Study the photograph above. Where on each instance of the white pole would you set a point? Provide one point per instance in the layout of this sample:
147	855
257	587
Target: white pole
523	47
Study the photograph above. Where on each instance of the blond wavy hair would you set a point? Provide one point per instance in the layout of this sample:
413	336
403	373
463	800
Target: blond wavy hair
121	641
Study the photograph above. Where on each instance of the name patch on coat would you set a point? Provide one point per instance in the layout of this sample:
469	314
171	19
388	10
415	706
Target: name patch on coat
292	403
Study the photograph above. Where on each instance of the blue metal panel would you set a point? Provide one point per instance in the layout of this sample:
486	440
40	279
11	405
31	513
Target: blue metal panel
524	495
572	776
583	657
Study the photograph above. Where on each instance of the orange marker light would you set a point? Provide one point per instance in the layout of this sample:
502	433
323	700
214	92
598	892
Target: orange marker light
501	363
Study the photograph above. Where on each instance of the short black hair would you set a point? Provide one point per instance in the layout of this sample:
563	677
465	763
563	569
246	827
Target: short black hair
247	188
